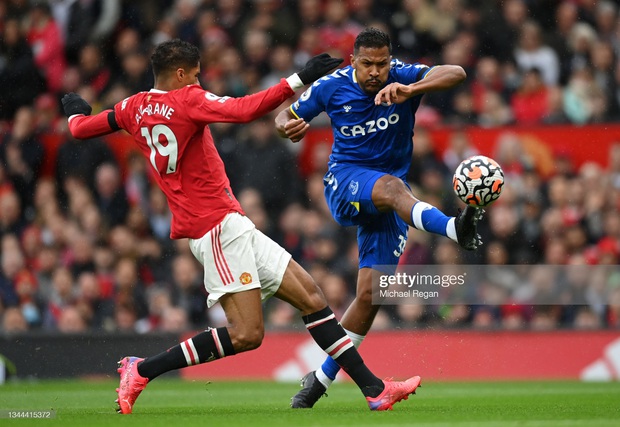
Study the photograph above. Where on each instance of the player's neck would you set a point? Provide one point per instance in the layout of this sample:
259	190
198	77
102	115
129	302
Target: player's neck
167	85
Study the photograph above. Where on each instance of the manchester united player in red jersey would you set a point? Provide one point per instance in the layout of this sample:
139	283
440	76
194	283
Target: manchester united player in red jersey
242	266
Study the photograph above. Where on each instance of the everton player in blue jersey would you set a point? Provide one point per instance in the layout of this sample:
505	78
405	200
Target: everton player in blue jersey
372	105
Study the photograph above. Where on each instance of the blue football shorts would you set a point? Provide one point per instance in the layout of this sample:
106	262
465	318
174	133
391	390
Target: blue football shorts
381	237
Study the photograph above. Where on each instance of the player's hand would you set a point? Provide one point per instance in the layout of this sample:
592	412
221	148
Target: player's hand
394	93
294	129
73	103
317	67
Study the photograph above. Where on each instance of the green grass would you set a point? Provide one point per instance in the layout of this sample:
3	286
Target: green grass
171	403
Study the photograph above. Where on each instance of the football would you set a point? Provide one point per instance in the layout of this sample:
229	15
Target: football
478	181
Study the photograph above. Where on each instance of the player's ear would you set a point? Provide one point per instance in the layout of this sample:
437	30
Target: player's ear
353	60
180	74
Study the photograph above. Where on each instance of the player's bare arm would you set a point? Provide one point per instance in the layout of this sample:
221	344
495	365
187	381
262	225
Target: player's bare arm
441	77
288	126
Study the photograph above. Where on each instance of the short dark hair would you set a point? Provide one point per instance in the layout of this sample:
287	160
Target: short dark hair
173	54
372	37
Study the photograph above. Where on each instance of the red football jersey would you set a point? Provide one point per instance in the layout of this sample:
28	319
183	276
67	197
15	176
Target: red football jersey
170	128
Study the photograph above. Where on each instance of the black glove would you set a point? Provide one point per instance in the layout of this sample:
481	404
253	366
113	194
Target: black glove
73	103
317	67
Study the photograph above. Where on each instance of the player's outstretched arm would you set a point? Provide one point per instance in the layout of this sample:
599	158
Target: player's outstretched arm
441	77
81	124
250	107
289	126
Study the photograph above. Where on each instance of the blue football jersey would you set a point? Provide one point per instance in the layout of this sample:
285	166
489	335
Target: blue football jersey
373	136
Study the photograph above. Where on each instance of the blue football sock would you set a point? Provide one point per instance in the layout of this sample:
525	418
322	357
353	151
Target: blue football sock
429	218
330	368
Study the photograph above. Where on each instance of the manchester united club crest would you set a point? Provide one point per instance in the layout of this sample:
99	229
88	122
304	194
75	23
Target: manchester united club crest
245	278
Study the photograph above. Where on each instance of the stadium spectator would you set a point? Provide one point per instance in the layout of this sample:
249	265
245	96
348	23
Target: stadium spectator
94	72
62	296
20	80
137	181
47	115
460	148
424	157
338	31
584	101
566	16
310	12
280	315
11	217
98	310
159	214
256	46
46	41
129	290
85	22
411	315
531	52
11	264
281	65
21	153
309	44
503	23
25	285
174	319
336	293
188	291
135	75
232	14
275	18
487	78
80	159
13	321
251	201
604	60
495	112
158	300
110	193
582	37
125	318
71	321
261	149
531	103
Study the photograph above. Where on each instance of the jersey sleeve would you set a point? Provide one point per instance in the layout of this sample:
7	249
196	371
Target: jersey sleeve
311	103
122	113
85	127
210	108
409	73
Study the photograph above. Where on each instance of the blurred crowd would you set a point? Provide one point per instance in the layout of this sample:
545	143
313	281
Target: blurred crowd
87	246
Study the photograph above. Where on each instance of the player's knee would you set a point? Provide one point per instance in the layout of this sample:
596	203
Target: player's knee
313	300
388	191
316	300
364	297
249	339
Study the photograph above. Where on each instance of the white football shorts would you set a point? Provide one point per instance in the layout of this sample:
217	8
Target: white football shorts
237	257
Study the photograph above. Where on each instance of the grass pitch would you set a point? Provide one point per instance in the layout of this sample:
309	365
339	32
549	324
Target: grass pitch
171	402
